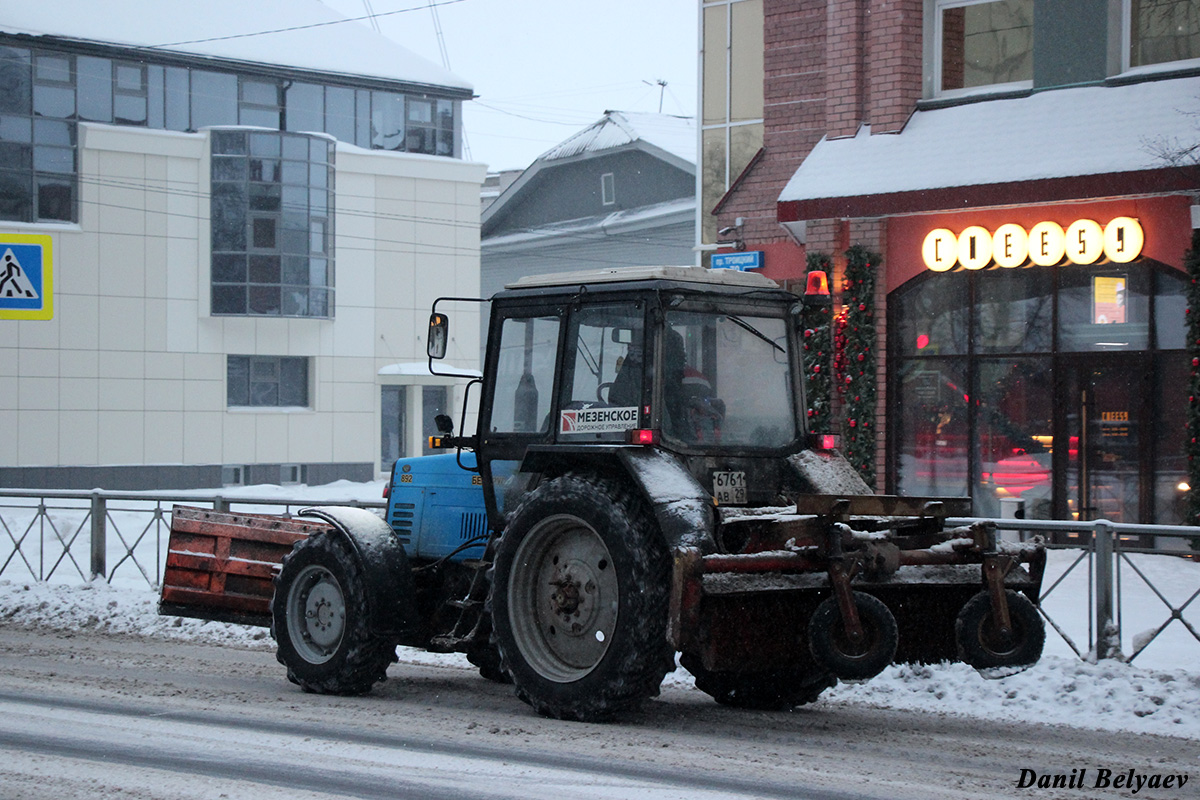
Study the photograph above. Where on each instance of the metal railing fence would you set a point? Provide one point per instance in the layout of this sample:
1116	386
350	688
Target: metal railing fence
1106	549
121	538
50	533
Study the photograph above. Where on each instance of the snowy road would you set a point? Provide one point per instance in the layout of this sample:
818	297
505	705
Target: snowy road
86	714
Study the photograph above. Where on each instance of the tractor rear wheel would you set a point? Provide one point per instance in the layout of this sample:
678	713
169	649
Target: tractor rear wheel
833	648
579	599
320	621
981	643
773	690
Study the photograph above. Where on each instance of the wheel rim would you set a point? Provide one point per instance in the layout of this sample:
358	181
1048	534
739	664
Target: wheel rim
316	614
865	648
562	598
996	644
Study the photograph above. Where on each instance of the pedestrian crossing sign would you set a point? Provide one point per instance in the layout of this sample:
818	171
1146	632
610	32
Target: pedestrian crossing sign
26	276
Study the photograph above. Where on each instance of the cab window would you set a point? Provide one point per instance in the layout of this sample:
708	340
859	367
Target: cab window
603	373
525	375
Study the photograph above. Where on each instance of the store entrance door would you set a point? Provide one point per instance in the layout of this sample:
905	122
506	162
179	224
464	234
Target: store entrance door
1104	426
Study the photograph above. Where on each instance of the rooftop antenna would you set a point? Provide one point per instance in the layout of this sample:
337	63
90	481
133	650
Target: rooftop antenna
662	86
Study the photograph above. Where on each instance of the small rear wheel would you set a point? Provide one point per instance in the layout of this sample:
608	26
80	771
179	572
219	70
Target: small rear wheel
320	620
834	649
771	690
984	646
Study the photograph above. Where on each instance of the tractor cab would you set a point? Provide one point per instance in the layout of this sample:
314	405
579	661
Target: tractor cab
583	367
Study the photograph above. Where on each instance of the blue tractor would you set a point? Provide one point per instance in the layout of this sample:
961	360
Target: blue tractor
640	490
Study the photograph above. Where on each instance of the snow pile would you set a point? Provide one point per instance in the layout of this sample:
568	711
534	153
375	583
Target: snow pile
1109	695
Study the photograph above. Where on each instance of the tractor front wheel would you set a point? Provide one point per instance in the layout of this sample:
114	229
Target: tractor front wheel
319	619
579	599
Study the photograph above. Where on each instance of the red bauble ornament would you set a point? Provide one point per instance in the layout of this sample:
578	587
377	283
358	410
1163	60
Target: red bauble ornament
852	423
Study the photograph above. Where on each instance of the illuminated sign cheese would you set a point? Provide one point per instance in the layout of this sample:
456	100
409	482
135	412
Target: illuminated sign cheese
1045	244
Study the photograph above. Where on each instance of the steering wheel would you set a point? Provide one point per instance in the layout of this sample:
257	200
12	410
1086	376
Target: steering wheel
600	390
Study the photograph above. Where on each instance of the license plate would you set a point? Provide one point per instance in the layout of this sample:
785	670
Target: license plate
729	488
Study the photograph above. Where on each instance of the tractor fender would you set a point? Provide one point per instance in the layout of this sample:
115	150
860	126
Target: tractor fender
390	601
683	508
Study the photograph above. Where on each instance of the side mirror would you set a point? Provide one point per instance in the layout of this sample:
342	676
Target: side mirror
444	424
439	334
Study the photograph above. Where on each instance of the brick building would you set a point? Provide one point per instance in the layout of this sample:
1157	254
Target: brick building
983	149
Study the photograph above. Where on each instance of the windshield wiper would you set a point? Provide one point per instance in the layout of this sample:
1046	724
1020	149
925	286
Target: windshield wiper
746	326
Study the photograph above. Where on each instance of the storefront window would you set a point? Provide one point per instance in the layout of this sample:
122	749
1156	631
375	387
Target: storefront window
1016	313
1170	459
1015	420
1104	310
934	444
932	317
1170	311
1060	404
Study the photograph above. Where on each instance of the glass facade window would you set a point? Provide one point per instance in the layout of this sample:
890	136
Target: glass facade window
731	99
1163	30
38	136
1049	392
267	381
983	43
272	201
38	176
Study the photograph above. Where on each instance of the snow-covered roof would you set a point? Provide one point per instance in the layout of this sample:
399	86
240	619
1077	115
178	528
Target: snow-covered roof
420	369
681	211
1064	133
675	135
299	34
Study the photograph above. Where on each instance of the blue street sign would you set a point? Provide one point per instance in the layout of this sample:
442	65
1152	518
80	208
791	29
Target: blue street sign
739	261
26	276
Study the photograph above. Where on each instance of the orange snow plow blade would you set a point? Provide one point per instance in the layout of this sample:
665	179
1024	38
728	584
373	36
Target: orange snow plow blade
221	566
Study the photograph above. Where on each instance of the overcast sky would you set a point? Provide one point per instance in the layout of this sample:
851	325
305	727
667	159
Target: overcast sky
543	69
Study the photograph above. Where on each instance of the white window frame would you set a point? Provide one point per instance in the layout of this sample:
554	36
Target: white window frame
608	189
1127	48
933	54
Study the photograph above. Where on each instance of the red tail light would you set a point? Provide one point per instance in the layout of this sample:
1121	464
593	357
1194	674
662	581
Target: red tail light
387	490
824	441
644	436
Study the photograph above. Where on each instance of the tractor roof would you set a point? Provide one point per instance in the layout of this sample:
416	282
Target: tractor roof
712	277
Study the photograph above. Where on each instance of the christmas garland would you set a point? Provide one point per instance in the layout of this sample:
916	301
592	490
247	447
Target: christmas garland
855	359
817	346
1191	262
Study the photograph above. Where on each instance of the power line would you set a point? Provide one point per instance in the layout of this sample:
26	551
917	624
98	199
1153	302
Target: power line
368	17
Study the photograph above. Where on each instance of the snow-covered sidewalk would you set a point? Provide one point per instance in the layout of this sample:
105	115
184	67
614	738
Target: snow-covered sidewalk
1059	690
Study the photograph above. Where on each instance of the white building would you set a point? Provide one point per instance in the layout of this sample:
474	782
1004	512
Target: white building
236	241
